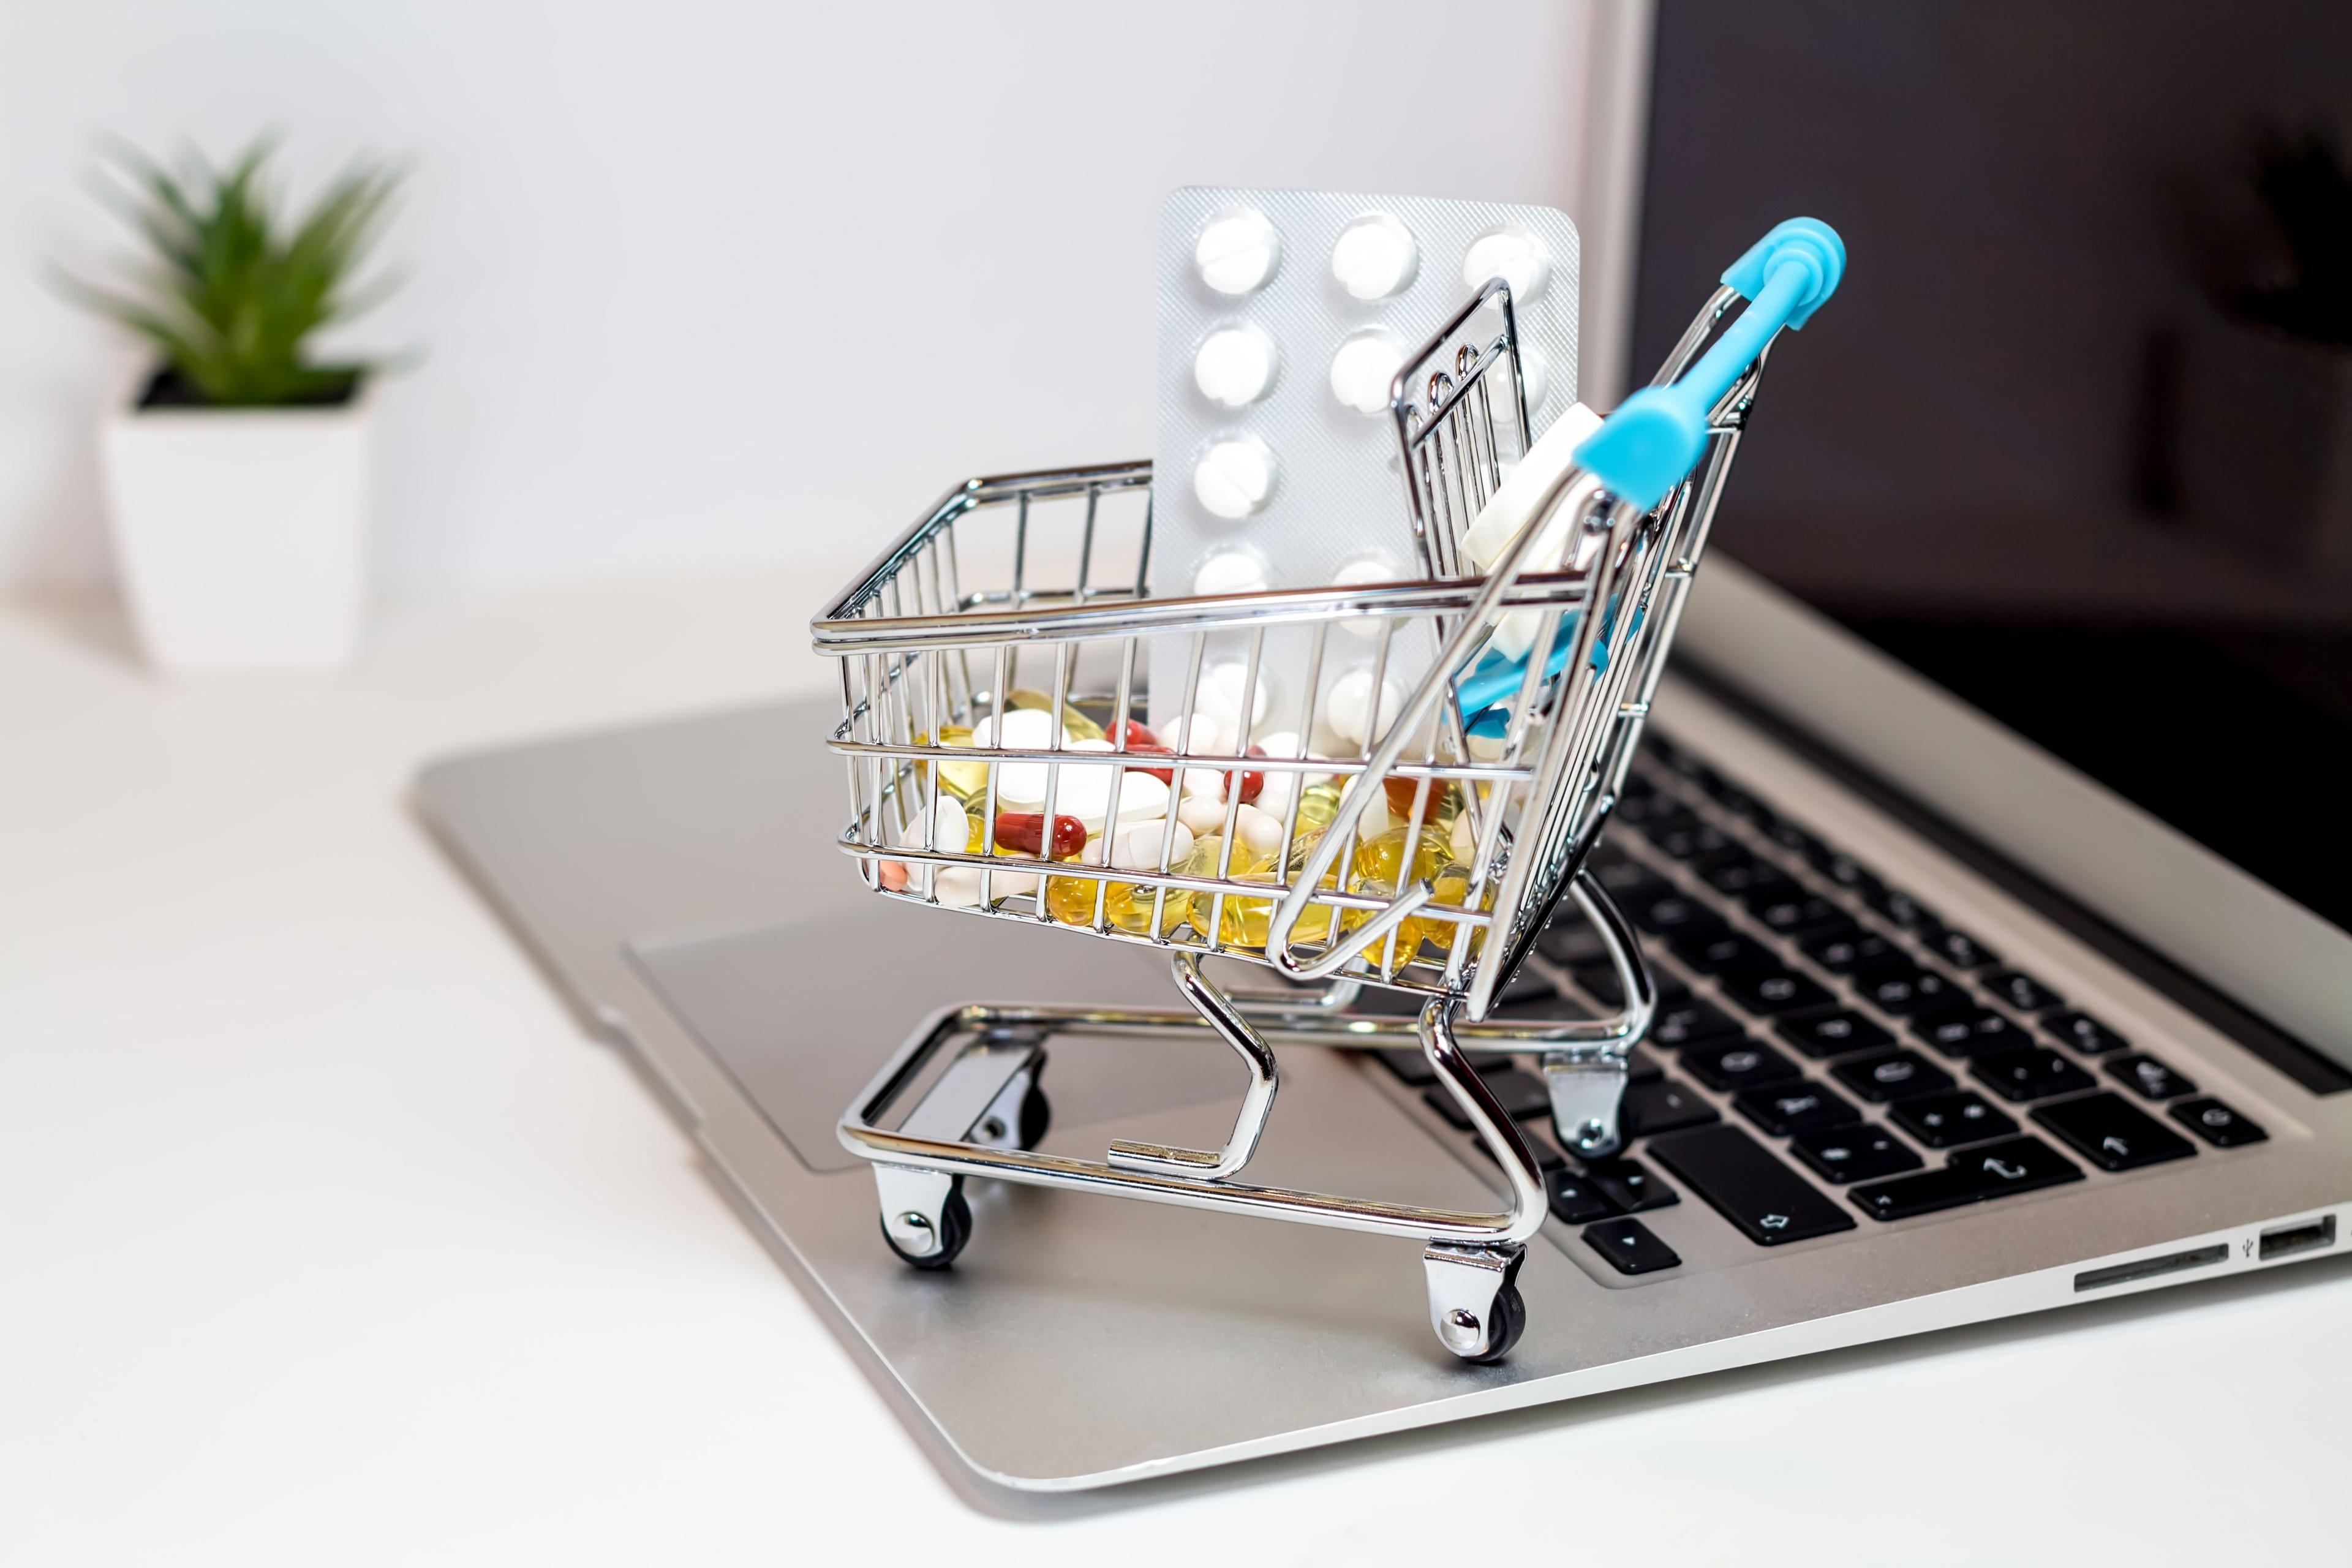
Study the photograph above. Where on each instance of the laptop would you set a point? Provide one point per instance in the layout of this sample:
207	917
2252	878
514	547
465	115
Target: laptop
1983	841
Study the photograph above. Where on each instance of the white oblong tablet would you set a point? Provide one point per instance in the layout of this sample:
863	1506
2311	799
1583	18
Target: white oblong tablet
1234	365
1235	476
1237	251
1229	572
1364	367
1511	254
1375	257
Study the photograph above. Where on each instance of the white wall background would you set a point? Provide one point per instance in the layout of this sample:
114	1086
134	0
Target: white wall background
706	281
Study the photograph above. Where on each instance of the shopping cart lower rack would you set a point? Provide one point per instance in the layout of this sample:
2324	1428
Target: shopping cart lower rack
1458	745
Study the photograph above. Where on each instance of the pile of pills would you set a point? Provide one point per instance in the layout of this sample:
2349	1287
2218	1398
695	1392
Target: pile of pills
1169	817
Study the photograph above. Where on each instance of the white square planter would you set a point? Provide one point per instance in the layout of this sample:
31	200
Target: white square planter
241	534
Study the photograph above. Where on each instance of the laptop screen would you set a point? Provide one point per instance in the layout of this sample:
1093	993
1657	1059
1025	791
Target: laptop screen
2075	441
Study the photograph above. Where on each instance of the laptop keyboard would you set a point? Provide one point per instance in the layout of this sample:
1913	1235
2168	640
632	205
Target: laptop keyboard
1827	1050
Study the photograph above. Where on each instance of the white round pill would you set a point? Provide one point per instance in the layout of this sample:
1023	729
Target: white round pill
1535	374
1279	785
1513	254
1202	734
1202	815
1350	706
1234	365
1235	476
1259	832
1374	256
1219	693
1372	568
1364	368
1237	252
1229	572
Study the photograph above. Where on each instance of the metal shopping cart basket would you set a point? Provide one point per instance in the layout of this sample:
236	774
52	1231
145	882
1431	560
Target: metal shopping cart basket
1459	745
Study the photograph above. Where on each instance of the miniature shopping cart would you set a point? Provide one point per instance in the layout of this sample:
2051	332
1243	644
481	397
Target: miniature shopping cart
1513	704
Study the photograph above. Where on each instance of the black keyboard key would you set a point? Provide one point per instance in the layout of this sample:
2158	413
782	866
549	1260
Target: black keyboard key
1662	1105
2150	1079
1951	1119
1860	1152
2112	1133
1847	872
1641	1067
1993	1171
1724	952
1688	838
1771	991
1670	913
1411	1067
1736	1063
1748	878
1904	989
1830	1032
2084	1033
2217	1123
1794	1107
1957	947
1547	1158
1795	840
1892	1075
1899	908
1574	1200
1628	1246
1688	1022
1965	1031
1793	913
1843	952
2022	992
1599	980
2030	1072
1629	1185
1521	1093
1748	1185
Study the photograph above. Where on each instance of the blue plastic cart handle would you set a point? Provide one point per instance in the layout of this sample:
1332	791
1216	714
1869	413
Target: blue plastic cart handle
1655	437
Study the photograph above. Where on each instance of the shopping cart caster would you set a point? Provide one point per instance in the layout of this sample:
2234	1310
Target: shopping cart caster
924	1216
1474	1299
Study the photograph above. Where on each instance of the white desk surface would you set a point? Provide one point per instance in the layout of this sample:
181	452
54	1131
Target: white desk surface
325	1237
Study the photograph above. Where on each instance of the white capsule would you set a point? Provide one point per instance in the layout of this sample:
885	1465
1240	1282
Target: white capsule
1236	253
1279	785
1256	830
1350	706
1374	256
1234	365
1235	476
1202	815
1515	255
1364	367
1204	784
1202	734
1229	572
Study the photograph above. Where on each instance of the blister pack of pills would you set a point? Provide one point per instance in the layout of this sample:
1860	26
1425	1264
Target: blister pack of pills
1284	317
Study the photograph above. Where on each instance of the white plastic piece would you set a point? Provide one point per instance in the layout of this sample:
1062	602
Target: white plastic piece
1364	367
1374	256
1234	365
1350	706
1237	252
1231	572
1508	511
1364	569
1234	477
1512	254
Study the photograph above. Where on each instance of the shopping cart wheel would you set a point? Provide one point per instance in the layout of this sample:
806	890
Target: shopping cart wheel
924	1216
1474	1298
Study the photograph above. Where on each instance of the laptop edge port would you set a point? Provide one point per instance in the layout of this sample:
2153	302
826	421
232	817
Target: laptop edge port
2303	1235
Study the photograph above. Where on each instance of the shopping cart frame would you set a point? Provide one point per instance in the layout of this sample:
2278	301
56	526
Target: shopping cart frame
1640	500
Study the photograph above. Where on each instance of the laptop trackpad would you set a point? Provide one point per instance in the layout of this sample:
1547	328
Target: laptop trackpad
803	1011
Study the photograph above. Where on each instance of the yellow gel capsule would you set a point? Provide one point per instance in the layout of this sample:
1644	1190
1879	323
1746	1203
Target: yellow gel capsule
1247	923
967	780
1071	899
1452	886
1382	867
1319	803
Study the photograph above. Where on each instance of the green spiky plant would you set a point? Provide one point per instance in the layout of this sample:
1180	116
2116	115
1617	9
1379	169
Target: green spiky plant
232	293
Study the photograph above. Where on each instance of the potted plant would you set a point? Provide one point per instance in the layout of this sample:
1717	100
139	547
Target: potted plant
237	479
